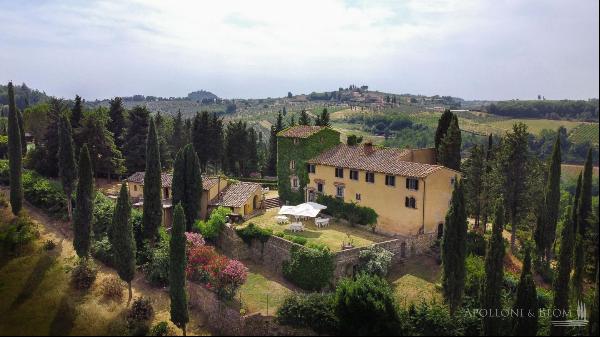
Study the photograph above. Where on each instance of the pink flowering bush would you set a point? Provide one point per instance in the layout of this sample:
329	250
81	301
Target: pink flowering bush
194	240
215	271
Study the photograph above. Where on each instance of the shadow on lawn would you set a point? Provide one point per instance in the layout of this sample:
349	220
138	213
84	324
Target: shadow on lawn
64	320
34	280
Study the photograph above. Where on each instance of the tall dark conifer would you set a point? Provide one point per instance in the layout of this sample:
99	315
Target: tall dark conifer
584	211
187	184
474	174
84	206
152	216
304	118
67	167
453	250
15	155
22	132
526	302
494	274
178	139
177	263
442	127
134	148
117	123
552	202
122	240
76	113
449	148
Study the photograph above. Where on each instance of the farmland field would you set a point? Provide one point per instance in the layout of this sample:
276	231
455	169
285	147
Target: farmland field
585	132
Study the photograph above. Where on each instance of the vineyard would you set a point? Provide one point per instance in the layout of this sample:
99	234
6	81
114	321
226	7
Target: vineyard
585	132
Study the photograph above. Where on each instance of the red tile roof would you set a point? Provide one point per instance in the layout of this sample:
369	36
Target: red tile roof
167	180
300	131
236	194
375	159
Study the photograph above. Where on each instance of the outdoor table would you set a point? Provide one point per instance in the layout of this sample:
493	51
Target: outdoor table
282	219
321	222
296	227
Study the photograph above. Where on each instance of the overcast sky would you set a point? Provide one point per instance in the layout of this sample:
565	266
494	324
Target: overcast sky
238	49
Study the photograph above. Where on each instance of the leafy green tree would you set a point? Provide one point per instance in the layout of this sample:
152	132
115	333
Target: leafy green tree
494	274
584	211
116	122
106	156
526	301
187	184
152	216
304	118
454	249
84	205
134	148
474	172
15	154
449	149
565	261
442	127
67	167
76	113
122	239
366	307
177	264
22	132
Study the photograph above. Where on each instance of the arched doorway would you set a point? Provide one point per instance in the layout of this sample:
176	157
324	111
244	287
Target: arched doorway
255	202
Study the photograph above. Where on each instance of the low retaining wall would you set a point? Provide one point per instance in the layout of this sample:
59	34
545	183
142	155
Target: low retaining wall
226	319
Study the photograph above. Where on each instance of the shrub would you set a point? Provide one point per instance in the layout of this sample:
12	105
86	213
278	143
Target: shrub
544	297
280	234
309	269
44	194
315	311
433	319
102	215
296	239
354	213
211	228
194	240
475	275
476	243
252	232
366	307
102	250
112	288
84	274
375	260
317	246
156	269
229	278
139	316
20	233
49	245
161	329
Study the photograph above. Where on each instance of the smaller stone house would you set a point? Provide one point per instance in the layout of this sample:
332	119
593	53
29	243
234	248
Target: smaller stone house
243	198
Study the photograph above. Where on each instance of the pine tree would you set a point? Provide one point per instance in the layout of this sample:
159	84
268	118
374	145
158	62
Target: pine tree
177	263
76	113
152	215
449	149
584	211
474	171
122	240
442	127
565	261
304	118
187	184
22	133
101	144
82	221
67	167
116	123
15	155
134	149
453	250
494	274
526	301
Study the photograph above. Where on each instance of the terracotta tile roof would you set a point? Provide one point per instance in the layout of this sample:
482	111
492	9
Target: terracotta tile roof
167	180
374	159
236	194
300	131
138	178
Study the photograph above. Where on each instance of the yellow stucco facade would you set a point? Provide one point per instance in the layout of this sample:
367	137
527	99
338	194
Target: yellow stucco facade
422	215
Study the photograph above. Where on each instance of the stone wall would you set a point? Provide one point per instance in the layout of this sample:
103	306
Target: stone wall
226	319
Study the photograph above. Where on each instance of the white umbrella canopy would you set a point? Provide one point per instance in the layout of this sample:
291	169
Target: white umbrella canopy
315	205
287	210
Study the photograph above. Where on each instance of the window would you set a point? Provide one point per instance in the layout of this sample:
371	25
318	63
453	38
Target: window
410	202
296	141
295	182
390	180
358	197
135	188
370	177
166	192
292	164
339	192
311	168
320	187
353	174
339	172
412	184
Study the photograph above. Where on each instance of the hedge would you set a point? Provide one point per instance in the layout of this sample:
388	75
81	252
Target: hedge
308	268
252	232
352	212
315	311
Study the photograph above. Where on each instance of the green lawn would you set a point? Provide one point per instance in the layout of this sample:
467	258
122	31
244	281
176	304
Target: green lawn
263	292
415	281
333	236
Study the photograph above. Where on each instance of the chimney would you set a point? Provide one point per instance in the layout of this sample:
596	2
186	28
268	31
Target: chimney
369	147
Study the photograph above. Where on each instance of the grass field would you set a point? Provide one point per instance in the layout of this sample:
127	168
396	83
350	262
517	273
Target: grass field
415	281
263	292
333	235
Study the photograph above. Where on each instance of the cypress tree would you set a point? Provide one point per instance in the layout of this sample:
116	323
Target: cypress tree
122	240
57	109
187	184
152	216
67	169
487	183
177	263
474	171
304	118
584	210
453	250
134	148
116	123
84	205
449	149
594	319
178	139
548	218
200	137
22	133
565	261
15	155
442	127
494	274
526	301
77	113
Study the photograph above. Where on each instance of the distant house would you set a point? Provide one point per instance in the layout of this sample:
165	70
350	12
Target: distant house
135	184
243	198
